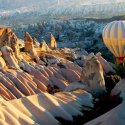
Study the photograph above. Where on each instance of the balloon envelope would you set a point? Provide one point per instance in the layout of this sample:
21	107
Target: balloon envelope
114	38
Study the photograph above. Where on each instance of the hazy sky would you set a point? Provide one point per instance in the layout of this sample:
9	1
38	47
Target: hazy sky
12	7
12	4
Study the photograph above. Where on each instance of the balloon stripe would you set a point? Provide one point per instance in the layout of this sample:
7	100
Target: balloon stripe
120	38
123	50
113	41
123	40
109	30
123	29
106	35
116	31
118	51
104	31
112	50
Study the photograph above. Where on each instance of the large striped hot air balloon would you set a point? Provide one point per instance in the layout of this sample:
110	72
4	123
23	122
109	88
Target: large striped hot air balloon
114	39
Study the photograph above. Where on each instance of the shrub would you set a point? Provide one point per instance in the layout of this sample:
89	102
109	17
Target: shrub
111	81
120	68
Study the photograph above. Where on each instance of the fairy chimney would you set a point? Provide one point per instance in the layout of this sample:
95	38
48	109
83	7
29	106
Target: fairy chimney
5	34
44	47
36	43
52	44
28	42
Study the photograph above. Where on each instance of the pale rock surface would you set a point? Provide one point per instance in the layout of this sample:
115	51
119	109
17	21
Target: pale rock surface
76	68
76	98
29	47
75	86
36	42
9	57
21	43
58	82
5	34
34	72
44	47
10	87
15	46
42	109
28	42
18	83
107	67
9	38
2	62
53	60
25	112
52	44
70	75
92	74
115	116
119	89
85	97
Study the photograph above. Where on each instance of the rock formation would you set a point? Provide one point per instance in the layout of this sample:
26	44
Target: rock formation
92	73
106	65
9	57
52	44
15	46
28	43
9	38
119	89
74	86
44	86
113	117
2	62
36	43
44	47
21	43
44	108
5	34
29	47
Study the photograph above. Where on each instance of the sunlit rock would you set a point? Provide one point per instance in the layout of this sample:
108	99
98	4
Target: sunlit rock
9	57
52	44
75	86
92	74
70	75
44	47
36	42
15	46
5	34
29	47
2	62
107	67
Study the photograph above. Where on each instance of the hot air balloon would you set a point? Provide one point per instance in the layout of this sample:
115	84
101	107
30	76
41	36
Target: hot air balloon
114	39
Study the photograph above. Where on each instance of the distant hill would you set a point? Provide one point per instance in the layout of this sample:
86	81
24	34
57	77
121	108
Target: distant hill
31	11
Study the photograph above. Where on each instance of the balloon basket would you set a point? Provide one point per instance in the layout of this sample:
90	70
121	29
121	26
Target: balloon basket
120	59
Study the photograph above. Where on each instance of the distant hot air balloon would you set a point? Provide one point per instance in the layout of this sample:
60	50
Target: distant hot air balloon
114	39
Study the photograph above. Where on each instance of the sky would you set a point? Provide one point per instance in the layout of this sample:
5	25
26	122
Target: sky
14	4
10	7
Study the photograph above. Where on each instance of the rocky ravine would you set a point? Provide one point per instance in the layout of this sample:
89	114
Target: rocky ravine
43	85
